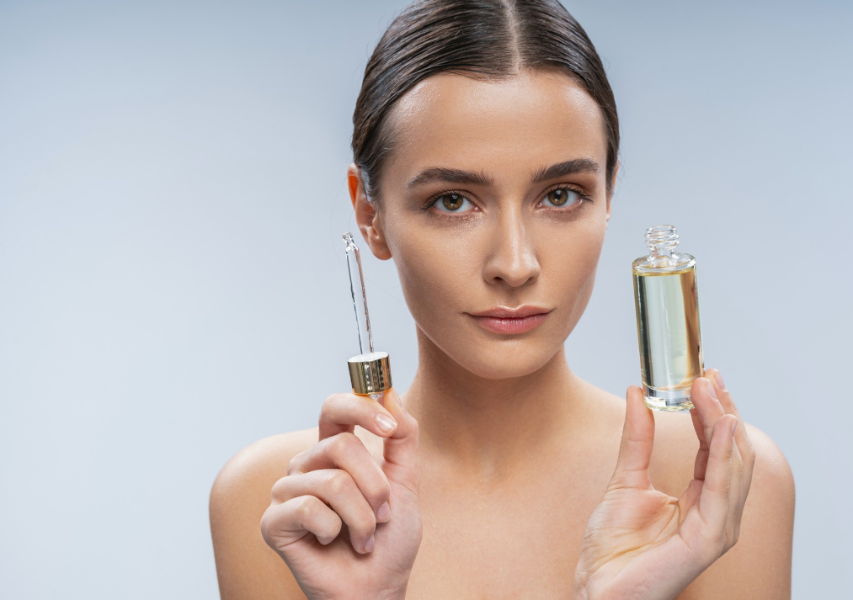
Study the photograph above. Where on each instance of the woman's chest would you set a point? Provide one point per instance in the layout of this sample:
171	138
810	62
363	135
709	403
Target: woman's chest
501	542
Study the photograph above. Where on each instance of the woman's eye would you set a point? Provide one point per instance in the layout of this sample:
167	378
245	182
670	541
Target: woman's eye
452	203
562	197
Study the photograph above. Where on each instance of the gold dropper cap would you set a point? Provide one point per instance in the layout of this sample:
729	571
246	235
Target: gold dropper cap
370	373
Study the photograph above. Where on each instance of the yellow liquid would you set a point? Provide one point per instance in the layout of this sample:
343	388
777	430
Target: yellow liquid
669	336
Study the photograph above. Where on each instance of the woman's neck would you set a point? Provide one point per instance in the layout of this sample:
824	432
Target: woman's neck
489	425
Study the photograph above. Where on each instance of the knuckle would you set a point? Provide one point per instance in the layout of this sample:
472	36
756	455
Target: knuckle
280	489
338	405
267	527
339	483
307	509
332	400
295	462
328	405
345	444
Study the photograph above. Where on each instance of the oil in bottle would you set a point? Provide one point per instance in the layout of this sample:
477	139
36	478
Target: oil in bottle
667	321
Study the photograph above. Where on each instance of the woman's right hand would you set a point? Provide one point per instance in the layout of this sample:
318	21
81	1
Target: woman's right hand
346	525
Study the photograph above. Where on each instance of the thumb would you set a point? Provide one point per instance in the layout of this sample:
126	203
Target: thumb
635	452
401	447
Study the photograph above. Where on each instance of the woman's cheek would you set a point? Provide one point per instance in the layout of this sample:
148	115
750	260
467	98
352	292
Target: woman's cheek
434	282
439	282
579	278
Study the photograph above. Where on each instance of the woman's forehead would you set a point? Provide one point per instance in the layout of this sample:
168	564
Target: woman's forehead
534	117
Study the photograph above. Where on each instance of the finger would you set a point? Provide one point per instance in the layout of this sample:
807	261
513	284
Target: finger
714	500
401	447
341	412
283	524
705	402
346	452
723	394
337	489
690	496
744	461
736	495
635	451
742	441
701	462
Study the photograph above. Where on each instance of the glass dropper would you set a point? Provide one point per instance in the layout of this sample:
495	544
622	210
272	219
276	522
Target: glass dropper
359	296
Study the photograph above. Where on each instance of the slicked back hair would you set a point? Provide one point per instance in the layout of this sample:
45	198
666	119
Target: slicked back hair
486	38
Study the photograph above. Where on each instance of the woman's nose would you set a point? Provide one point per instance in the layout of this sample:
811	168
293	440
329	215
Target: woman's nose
512	260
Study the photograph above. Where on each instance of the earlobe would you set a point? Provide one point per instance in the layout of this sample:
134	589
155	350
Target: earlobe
375	236
366	215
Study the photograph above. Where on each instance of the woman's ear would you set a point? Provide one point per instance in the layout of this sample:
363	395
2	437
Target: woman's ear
366	215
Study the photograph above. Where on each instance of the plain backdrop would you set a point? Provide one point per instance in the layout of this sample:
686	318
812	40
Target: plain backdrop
172	278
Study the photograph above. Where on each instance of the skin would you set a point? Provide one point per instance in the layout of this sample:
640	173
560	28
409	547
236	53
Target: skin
503	475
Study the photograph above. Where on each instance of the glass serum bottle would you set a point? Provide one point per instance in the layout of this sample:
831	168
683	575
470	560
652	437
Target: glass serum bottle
667	321
369	371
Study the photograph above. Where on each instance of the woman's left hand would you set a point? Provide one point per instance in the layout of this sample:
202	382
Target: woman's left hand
643	544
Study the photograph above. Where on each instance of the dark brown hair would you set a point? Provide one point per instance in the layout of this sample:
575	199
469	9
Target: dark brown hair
486	38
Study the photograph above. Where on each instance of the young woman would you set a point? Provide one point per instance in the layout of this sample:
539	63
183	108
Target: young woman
485	153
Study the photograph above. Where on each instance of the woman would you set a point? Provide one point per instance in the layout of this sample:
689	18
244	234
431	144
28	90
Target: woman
485	154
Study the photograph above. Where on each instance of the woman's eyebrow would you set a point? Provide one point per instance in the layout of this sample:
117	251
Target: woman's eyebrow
578	165
445	175
442	174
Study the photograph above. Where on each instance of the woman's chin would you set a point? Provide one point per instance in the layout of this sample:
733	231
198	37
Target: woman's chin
486	356
504	362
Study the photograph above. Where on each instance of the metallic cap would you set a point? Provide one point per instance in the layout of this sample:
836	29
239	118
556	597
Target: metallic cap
370	373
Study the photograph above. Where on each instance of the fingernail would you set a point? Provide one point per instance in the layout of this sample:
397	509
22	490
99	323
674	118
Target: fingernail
368	546
734	426
720	383
711	390
385	423
384	513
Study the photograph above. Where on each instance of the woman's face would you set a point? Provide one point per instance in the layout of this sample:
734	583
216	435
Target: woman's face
494	207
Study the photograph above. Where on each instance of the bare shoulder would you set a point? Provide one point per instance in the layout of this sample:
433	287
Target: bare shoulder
261	461
771	499
772	471
245	565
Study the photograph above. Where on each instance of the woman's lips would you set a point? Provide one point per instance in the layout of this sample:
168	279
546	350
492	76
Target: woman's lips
511	320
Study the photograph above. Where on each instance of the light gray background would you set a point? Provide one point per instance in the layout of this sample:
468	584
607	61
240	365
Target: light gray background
172	284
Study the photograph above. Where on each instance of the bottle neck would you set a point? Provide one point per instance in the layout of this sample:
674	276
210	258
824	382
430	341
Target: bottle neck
662	241
660	252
